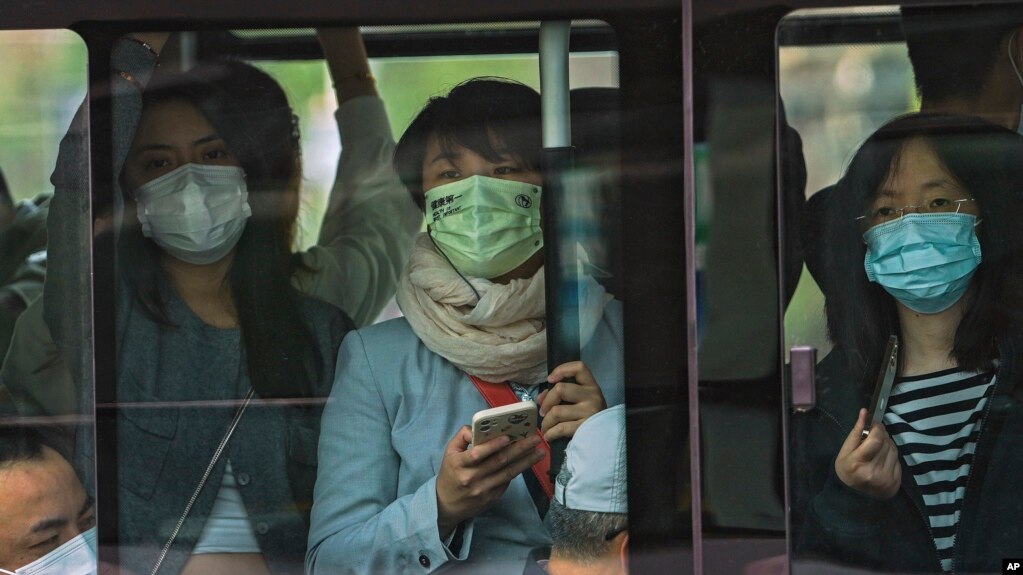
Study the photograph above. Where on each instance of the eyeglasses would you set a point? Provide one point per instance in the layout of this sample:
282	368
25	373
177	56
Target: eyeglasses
885	214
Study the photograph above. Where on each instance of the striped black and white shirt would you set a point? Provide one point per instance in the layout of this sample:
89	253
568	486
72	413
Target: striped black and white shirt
935	420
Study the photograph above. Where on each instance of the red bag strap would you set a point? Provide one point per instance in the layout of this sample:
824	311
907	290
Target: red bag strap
498	394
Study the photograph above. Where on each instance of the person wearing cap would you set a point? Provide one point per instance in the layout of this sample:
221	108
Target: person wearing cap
588	518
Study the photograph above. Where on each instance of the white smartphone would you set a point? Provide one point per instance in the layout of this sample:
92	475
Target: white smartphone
516	420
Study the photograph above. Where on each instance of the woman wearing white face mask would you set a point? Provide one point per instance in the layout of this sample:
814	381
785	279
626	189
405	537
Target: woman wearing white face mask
922	243
365	238
213	306
398	484
210	312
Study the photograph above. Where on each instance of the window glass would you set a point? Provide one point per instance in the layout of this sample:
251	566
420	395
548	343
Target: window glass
835	94
46	433
743	519
895	466
250	214
405	84
37	106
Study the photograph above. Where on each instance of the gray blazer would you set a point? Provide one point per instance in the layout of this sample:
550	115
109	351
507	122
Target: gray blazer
178	389
394	406
177	386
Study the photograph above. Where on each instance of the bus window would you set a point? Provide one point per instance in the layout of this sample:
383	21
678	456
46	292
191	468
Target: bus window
867	84
737	295
39	105
903	139
46	425
248	217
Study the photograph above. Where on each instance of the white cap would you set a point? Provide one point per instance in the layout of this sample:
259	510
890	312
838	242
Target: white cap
593	477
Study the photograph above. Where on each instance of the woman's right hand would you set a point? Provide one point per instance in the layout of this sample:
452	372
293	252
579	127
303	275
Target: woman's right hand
346	58
870	465
470	480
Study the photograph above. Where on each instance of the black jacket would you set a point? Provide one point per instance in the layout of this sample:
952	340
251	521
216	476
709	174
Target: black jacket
834	523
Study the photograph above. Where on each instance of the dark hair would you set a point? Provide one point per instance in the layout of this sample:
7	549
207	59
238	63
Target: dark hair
21	442
470	115
953	48
582	536
984	159
250	111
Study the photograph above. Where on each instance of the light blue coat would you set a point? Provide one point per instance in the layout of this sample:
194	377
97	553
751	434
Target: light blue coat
393	408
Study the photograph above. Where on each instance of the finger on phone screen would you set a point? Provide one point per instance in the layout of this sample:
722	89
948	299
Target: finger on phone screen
509	454
481	452
513	468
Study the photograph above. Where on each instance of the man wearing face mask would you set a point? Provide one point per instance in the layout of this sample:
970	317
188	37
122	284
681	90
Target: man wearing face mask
47	520
966	60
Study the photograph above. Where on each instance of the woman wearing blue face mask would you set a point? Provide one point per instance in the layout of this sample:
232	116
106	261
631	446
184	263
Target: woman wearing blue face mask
226	339
922	242
399	486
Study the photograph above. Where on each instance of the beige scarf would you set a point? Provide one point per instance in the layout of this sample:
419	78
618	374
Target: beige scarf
500	338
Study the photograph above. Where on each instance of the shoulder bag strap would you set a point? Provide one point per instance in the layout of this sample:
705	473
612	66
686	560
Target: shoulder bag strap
202	482
498	394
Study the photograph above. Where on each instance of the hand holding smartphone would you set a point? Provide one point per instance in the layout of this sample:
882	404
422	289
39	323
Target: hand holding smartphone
516	420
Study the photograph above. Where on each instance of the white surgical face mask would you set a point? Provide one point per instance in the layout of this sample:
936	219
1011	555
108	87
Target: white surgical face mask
76	557
196	213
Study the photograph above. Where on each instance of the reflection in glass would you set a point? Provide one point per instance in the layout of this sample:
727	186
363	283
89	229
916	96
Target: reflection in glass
395	452
45	463
915	238
915	494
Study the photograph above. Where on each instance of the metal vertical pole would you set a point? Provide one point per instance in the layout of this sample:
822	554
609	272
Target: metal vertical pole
560	260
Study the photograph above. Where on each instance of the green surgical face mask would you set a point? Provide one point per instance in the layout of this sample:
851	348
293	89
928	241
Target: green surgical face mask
485	226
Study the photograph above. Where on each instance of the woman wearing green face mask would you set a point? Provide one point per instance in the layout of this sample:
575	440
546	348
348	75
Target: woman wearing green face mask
923	243
398	482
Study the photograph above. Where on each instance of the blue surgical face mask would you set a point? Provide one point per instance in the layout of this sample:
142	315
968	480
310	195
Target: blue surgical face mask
925	260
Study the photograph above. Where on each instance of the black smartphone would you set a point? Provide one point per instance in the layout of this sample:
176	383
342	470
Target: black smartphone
883	387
